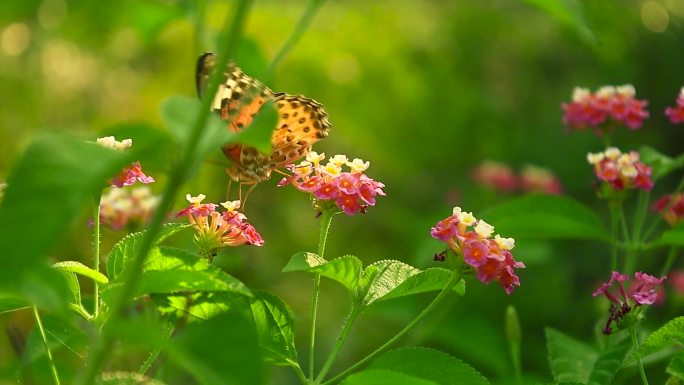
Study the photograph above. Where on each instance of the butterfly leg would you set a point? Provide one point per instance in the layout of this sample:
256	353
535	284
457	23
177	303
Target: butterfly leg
230	184
244	200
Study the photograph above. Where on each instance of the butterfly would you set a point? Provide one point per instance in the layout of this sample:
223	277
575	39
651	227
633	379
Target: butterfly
301	121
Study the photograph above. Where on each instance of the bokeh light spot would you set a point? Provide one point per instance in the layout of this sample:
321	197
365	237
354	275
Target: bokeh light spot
51	13
15	39
654	16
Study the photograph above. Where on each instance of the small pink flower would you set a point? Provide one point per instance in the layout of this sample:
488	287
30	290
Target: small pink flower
495	175
676	113
671	207
470	239
607	106
349	191
130	174
621	170
120	208
643	290
537	179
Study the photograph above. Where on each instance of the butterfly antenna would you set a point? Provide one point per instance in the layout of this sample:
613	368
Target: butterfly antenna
244	200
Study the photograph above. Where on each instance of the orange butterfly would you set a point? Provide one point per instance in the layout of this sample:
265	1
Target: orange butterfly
301	122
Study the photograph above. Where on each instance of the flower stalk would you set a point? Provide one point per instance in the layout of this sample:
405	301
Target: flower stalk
43	336
326	219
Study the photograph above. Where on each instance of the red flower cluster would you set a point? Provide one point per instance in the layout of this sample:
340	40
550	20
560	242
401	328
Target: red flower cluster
642	291
121	207
676	113
502	178
130	174
350	191
595	109
219	230
472	239
621	171
671	207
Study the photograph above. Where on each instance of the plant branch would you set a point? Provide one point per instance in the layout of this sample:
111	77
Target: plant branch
326	219
53	368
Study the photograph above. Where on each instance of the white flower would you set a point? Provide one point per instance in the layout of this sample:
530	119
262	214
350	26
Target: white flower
484	229
504	243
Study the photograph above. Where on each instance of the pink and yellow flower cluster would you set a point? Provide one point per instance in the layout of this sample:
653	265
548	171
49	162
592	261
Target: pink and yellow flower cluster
130	174
676	113
671	207
643	290
471	238
215	230
621	170
502	178
609	103
349	191
121	207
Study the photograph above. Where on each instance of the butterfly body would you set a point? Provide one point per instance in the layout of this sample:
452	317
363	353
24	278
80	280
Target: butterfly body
301	122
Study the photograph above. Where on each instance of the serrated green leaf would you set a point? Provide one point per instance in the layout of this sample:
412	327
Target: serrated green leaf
74	287
197	306
570	360
661	164
676	366
70	172
345	270
673	236
609	362
222	350
126	378
79	268
393	279
429	364
672	333
171	270
383	377
275	325
125	249
258	133
546	217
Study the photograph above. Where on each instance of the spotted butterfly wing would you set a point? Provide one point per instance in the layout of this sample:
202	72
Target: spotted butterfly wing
301	122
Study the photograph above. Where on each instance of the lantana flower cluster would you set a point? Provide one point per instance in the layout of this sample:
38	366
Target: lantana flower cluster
500	177
332	187
472	240
671	207
120	208
608	104
676	113
621	170
538	179
130	174
214	230
643	290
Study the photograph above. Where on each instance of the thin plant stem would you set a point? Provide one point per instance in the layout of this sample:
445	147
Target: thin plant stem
326	219
299	30
300	373
132	274
154	354
96	252
623	223
348	323
614	228
635	344
452	281
639	216
671	256
53	368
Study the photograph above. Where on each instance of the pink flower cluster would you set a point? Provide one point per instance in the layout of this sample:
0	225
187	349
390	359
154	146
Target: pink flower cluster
350	191
671	207
502	178
621	171
617	104
472	239
130	174
676	113
216	230
643	290
121	207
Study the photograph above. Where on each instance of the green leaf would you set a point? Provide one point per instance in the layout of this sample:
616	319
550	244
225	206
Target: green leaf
345	270
672	333
275	326
673	236
546	216
609	362
70	172
676	366
258	134
384	377
197	306
79	268
393	279
74	287
10	303
568	12
570	360
125	249
222	350
429	364
661	164
126	378
171	270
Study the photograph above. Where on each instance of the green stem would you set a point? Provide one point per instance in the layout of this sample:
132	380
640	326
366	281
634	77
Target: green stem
132	273
348	323
639	216
326	219
452	282
301	27
96	252
300	373
635	344
154	354
671	256
614	227
53	368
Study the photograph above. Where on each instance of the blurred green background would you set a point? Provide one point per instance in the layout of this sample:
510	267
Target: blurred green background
424	90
